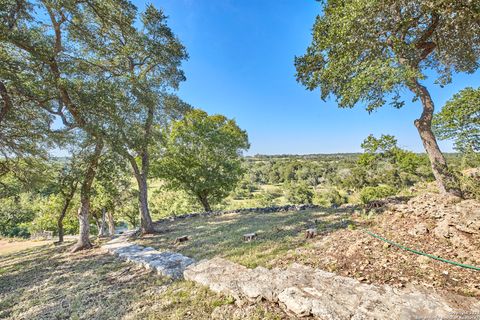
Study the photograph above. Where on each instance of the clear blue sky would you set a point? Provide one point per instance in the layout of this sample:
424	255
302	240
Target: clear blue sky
241	65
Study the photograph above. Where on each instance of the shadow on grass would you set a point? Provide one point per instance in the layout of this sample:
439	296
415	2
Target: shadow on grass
277	233
50	283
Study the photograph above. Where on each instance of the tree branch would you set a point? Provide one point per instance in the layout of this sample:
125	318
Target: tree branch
7	102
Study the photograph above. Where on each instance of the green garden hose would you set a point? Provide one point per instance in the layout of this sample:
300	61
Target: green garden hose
466	266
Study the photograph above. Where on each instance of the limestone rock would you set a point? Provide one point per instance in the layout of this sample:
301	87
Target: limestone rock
168	264
304	291
419	229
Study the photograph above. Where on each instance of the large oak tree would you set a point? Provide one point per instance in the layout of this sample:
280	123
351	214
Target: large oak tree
368	51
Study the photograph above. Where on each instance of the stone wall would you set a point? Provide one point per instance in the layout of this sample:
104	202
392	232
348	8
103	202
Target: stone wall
240	211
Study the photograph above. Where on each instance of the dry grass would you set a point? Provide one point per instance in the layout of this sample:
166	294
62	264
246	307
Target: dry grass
48	282
277	232
341	248
8	246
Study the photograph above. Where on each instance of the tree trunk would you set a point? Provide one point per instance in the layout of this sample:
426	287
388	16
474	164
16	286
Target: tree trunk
146	220
60	220
66	205
83	241
205	204
111	223
102	230
83	212
141	177
447	183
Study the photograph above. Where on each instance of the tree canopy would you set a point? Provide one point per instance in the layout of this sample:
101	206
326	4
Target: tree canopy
202	156
366	52
459	120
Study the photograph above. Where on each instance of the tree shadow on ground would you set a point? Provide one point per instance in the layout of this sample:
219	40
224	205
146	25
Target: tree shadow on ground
51	283
277	233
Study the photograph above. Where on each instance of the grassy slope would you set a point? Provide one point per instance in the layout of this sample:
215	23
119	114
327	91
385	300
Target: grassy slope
50	283
222	235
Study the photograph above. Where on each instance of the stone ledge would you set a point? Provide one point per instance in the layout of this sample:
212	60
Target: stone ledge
305	291
168	264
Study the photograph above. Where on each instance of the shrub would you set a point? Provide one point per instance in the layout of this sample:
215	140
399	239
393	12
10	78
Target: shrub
369	194
330	197
266	198
470	183
299	193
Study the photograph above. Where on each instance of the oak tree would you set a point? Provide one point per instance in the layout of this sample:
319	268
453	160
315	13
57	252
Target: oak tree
202	155
368	51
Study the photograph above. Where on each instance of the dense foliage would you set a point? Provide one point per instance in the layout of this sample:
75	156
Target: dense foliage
202	156
459	120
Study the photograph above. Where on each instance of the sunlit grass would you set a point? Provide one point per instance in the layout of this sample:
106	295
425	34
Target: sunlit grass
222	236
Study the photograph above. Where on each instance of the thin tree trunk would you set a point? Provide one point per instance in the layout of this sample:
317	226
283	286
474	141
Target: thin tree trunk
204	202
102	230
60	220
84	210
111	223
447	183
66	205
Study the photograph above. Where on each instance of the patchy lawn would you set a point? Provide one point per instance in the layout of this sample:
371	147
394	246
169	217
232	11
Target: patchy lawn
48	282
277	233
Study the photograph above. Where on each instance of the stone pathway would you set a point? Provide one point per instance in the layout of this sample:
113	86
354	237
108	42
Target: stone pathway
169	264
305	291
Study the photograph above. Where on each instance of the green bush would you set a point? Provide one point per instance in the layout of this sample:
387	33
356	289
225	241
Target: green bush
470	186
265	198
299	193
330	197
369	194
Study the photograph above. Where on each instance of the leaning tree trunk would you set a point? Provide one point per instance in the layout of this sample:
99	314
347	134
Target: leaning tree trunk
84	210
447	183
60	220
66	205
204	201
111	223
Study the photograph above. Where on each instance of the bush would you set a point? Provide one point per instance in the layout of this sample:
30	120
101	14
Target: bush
166	203
330	197
369	194
299	193
470	183
265	198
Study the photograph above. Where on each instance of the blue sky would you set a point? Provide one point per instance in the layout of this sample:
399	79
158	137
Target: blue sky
241	65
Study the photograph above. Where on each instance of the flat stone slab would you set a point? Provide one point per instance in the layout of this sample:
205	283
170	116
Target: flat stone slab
168	264
305	291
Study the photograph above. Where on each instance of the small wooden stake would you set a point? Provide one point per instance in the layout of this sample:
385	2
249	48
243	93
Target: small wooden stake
310	233
249	237
181	239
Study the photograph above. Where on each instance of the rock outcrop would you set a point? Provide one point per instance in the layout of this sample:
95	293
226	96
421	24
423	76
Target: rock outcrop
455	220
304	291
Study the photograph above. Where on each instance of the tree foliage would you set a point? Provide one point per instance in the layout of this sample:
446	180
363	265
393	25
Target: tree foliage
459	120
366	52
202	156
